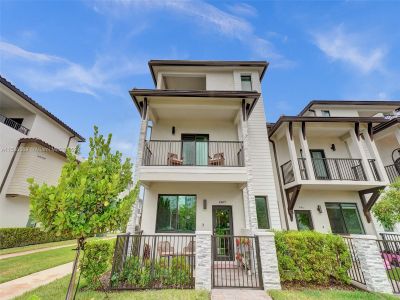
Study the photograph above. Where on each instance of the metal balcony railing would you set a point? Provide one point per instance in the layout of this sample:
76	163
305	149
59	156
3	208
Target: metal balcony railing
287	172
374	169
11	123
393	171
193	153
338	169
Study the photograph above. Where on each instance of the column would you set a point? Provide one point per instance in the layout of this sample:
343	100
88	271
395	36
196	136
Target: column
378	161
397	134
203	260
371	263
307	155
269	261
361	152
293	154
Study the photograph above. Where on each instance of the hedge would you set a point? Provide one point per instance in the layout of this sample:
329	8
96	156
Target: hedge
18	237
308	256
96	260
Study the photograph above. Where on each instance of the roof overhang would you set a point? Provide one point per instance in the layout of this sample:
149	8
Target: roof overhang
389	123
139	96
154	65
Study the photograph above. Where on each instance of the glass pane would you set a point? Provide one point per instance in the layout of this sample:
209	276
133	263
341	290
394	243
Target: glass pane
352	219
262	212
201	153
303	219
336	218
188	152
246	83
166	213
187	213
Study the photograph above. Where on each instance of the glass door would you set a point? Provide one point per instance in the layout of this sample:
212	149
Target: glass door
223	231
344	218
319	163
195	149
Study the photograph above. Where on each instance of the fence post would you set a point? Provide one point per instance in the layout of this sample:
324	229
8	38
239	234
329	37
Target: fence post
203	260
269	260
371	263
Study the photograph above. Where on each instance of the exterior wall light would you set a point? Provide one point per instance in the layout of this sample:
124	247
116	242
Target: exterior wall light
319	208
333	147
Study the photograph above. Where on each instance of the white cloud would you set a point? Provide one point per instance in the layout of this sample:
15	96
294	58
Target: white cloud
48	72
351	49
243	9
203	14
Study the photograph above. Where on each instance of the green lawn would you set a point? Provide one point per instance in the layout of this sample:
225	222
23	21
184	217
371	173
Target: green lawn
15	267
37	246
329	295
57	289
394	274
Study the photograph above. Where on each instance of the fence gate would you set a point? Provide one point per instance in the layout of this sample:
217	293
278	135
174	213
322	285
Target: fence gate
236	262
390	251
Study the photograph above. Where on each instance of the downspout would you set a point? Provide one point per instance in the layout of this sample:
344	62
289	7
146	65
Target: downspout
9	166
69	141
280	184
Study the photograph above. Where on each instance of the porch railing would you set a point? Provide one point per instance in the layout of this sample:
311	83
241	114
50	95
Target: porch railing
374	169
355	272
153	262
193	153
338	169
393	171
11	123
303	168
287	172
390	236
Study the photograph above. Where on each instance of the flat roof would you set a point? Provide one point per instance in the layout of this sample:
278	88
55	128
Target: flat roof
263	65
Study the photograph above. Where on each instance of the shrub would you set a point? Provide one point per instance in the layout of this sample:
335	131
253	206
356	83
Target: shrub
18	237
308	256
96	261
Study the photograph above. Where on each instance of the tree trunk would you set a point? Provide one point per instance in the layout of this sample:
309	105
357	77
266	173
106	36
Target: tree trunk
71	287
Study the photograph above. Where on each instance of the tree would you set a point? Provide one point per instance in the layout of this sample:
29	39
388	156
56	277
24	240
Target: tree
87	199
387	210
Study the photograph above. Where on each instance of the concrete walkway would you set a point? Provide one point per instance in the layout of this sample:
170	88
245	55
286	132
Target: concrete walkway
4	256
17	287
239	294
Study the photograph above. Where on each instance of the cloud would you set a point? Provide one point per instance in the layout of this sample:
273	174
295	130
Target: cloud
48	72
351	49
243	9
203	14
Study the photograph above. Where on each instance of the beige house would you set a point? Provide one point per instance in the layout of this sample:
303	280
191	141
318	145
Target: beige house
332	160
203	155
32	144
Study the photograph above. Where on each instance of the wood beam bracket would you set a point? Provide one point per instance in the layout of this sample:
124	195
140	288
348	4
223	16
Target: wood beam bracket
367	204
291	130
291	197
357	129
244	113
303	130
371	131
144	108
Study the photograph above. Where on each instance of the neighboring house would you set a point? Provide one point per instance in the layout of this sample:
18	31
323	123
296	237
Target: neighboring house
203	154
32	144
332	160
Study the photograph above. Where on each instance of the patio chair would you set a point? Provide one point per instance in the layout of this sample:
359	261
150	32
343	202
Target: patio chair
173	160
218	159
190	249
165	249
146	252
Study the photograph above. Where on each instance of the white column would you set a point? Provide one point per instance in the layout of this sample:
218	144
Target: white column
269	261
362	154
371	263
378	161
203	260
307	156
397	134
293	154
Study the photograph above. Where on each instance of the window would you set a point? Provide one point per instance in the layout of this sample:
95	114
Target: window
262	212
344	218
246	83
304	220
325	113
176	213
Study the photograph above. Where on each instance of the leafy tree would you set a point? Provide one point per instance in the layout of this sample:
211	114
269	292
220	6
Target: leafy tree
88	198
387	209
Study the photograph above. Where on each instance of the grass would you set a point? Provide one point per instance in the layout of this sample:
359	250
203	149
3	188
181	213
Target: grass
394	274
57	289
19	266
328	295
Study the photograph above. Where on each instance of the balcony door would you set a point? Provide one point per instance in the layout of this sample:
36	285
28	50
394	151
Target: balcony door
195	149
319	164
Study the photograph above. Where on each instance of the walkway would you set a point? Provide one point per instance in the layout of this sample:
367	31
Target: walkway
17	287
239	294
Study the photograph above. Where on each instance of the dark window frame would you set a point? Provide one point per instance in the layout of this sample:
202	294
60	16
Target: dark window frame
323	112
341	211
303	211
247	76
267	211
175	231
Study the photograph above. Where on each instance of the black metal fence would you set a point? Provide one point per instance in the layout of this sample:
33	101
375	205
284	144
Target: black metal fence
388	236
193	153
355	272
236	262
303	168
11	123
390	251
153	262
287	172
374	169
338	169
393	171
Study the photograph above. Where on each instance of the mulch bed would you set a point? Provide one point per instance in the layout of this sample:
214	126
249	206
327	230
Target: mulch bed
332	285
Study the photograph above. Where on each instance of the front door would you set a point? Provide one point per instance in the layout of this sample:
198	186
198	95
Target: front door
195	149
223	231
319	164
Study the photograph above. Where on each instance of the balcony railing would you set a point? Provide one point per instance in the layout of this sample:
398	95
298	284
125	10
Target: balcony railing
193	153
374	169
393	171
303	168
11	123
338	169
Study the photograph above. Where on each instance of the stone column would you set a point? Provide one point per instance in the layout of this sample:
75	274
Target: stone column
371	263
203	260
269	261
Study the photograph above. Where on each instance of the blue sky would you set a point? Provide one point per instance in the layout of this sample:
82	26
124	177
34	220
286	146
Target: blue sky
80	58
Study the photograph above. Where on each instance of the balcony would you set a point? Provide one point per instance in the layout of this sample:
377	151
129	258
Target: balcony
330	169
393	171
193	153
11	123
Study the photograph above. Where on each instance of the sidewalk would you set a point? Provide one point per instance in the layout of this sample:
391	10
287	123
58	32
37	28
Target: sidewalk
238	294
17	287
